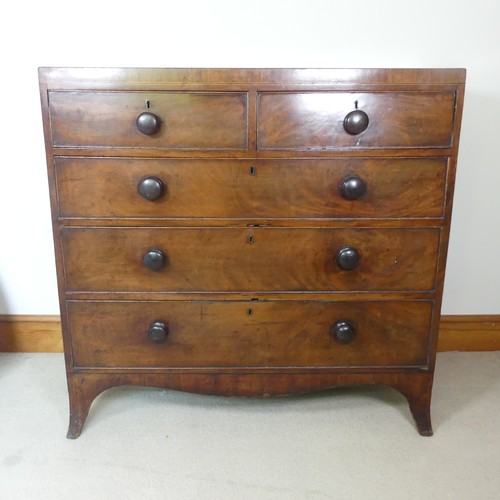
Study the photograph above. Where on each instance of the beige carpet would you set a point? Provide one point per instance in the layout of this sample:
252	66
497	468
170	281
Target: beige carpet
342	444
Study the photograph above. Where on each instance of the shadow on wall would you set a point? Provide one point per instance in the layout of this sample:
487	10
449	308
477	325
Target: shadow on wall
472	284
6	333
4	308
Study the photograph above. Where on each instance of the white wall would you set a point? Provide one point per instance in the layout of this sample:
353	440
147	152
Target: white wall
232	33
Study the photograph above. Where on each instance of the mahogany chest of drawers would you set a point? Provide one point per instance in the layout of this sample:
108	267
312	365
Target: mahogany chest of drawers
250	232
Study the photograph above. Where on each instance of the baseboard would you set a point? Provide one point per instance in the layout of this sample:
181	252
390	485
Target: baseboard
469	333
30	333
43	333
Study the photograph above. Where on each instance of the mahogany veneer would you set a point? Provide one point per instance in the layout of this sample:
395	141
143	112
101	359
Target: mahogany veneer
250	232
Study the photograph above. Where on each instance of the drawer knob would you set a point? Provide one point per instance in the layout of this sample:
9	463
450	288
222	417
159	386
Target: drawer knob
356	122
353	188
151	188
343	331
348	258
148	123
157	332
154	259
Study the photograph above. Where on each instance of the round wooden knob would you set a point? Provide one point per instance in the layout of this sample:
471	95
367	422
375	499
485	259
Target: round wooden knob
348	258
157	332
154	259
151	188
356	122
148	123
352	188
343	331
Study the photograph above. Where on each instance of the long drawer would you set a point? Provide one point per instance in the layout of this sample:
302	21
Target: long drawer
245	259
175	188
316	120
249	334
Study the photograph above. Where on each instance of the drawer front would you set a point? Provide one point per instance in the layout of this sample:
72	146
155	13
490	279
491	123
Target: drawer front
315	120
108	187
245	259
248	334
186	120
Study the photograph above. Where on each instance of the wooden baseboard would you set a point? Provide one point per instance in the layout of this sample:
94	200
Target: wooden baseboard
469	333
30	334
43	333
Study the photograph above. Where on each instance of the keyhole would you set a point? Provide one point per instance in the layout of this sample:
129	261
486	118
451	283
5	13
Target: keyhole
250	312
355	104
250	239
148	104
252	170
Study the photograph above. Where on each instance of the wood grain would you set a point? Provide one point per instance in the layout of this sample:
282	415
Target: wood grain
186	78
249	334
107	187
222	259
314	121
189	120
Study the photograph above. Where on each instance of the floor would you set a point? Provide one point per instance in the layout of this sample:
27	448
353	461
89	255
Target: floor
348	443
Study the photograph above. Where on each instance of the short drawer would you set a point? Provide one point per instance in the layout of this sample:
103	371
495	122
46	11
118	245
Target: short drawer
185	120
249	334
316	120
175	188
245	259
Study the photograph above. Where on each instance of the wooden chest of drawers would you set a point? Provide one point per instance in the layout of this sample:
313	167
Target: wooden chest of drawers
250	232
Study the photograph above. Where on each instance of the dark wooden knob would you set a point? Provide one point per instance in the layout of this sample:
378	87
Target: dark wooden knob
148	123
356	122
154	259
157	332
343	331
151	188
348	258
352	188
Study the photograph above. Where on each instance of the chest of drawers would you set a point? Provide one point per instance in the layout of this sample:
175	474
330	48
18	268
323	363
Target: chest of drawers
250	232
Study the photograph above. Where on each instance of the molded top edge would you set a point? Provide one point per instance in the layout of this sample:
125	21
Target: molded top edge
66	77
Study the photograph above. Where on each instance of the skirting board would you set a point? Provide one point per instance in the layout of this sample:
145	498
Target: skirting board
43	333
